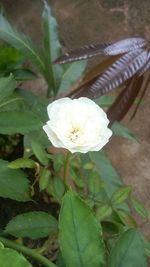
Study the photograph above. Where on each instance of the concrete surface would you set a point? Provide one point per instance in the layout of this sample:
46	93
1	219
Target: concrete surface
85	21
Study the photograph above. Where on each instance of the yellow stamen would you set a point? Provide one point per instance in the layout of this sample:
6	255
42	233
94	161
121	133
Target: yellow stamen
74	134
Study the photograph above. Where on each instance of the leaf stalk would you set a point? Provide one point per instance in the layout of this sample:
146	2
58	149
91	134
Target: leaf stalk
27	251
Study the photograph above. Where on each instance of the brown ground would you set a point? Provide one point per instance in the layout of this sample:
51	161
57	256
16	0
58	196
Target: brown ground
85	21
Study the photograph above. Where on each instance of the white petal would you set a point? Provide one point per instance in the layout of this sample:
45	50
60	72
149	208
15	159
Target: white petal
54	107
52	136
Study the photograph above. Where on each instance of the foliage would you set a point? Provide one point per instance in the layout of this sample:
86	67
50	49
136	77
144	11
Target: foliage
32	224
76	210
10	257
86	240
127	249
13	183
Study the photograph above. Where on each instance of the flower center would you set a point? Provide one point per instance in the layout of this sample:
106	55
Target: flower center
74	134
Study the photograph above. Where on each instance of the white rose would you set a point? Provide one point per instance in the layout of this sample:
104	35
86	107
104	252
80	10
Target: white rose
78	125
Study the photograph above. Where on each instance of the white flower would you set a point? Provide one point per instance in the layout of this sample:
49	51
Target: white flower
78	125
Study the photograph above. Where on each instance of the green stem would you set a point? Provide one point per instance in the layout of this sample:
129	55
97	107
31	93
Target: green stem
66	162
27	251
46	244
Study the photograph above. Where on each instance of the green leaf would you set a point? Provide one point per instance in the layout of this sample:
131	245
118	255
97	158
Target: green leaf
12	122
147	246
60	261
37	224
72	74
31	98
112	227
106	170
126	218
76	178
139	207
39	152
22	163
88	166
56	188
50	31
13	183
24	74
103	212
128	251
10	257
44	178
121	195
80	234
36	136
37	105
51	48
111	179
1	245
94	183
58	161
12	102
96	190
7	86
105	100
124	132
108	100
10	58
20	42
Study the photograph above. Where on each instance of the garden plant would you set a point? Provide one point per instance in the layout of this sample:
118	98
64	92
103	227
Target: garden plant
63	204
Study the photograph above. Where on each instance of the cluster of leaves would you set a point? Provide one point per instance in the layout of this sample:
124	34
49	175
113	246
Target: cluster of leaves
95	226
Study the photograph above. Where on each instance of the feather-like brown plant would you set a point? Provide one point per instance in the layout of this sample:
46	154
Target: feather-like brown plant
128	62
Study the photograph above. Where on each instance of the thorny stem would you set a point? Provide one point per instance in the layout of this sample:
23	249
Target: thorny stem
27	251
